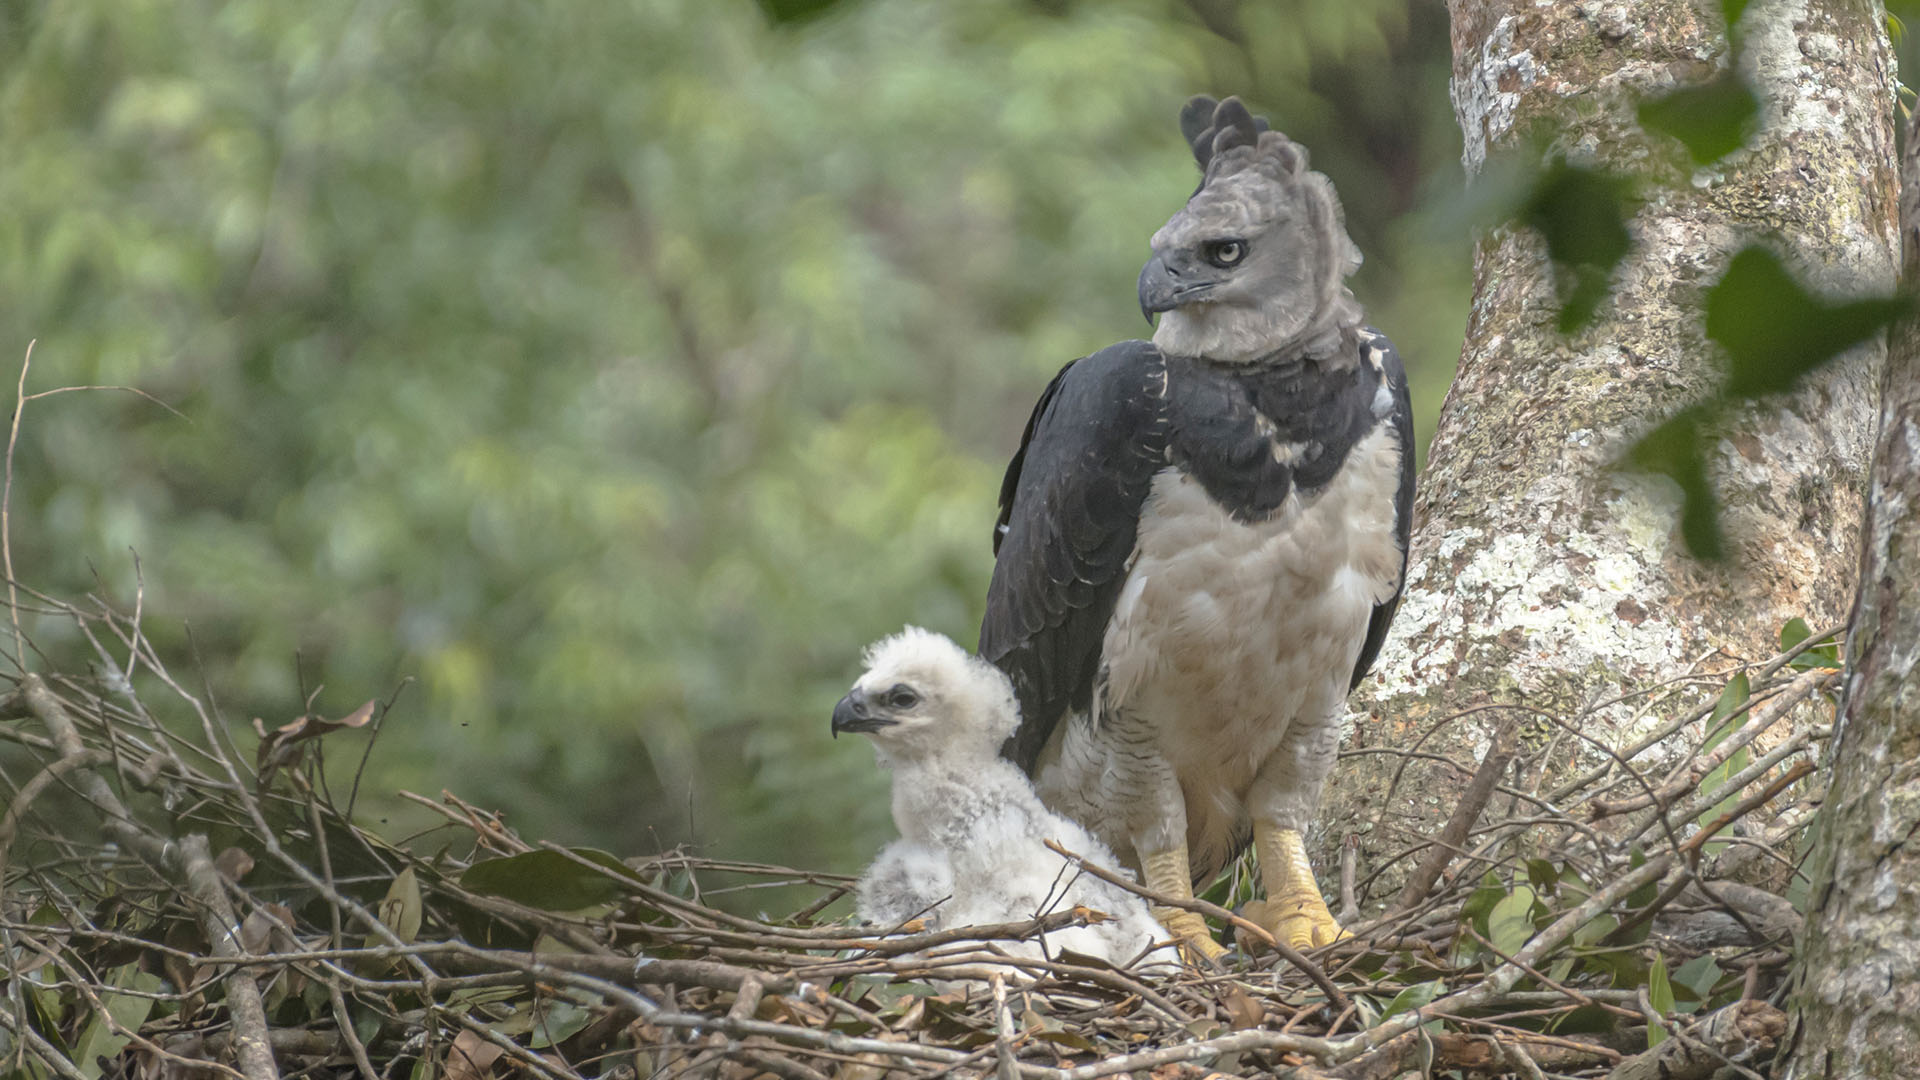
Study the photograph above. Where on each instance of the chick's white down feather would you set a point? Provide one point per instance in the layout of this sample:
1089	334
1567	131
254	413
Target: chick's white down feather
973	831
905	881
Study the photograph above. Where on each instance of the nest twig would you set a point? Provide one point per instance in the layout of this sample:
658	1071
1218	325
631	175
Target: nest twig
306	944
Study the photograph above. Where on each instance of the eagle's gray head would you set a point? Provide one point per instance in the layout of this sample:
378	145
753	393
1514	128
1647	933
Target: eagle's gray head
1255	266
922	696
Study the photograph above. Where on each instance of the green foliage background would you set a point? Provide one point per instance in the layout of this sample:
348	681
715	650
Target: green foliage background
616	371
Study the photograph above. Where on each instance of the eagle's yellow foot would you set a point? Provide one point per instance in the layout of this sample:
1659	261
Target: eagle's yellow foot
1168	873
1300	920
1190	935
1293	911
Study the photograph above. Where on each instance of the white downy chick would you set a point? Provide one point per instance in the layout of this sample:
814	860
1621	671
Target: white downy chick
937	717
905	881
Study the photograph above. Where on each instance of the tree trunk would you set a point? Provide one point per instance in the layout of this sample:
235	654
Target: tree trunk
1856	1005
1540	575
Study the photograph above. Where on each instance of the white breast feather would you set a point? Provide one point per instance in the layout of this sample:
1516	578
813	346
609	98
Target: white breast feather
1227	633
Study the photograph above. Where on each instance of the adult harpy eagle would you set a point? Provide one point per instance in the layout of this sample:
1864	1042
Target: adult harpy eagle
1202	538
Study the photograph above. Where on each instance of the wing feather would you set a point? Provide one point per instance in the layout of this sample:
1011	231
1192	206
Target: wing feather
1402	420
1069	515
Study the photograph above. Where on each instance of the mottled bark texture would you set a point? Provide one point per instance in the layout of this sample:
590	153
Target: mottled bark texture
1856	1003
1540	574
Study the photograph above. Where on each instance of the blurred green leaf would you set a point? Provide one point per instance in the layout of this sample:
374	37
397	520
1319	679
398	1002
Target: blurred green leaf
1693	982
1732	696
1775	331
1796	631
790	11
1660	996
1642	896
547	879
1731	10
1675	449
1581	212
1712	119
1595	930
1544	876
1481	902
1510	923
98	1040
1413	997
558	1021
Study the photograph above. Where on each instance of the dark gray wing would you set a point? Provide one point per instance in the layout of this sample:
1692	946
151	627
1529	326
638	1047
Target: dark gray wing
1402	419
1069	514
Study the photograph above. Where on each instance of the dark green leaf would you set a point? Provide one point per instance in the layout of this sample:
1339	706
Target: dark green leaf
1481	901
558	1022
1796	631
792	11
1593	931
1775	331
547	879
100	1039
1543	874
1674	449
1623	967
1713	119
1643	895
1695	980
1581	213
1413	997
1731	10
1733	696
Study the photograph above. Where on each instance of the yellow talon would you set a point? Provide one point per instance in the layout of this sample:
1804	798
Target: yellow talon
1168	873
1294	911
1190	934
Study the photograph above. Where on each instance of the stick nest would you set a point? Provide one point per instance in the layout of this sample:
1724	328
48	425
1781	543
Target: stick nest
179	904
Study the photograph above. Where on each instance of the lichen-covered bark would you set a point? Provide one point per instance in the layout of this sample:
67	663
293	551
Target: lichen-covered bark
1540	573
1857	997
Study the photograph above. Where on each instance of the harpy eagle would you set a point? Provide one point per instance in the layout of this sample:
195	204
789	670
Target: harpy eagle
1202	538
972	832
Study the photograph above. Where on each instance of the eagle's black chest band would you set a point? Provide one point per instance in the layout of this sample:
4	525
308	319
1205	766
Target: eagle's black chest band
1251	437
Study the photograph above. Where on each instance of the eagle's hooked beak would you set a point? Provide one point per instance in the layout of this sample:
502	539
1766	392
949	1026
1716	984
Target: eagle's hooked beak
854	714
1163	289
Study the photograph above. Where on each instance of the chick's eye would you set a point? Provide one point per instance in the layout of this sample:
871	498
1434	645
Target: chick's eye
1225	252
902	697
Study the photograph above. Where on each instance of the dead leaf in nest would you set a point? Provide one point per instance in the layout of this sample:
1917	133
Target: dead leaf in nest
233	863
255	930
401	910
281	747
1092	917
913	926
1243	1011
471	1057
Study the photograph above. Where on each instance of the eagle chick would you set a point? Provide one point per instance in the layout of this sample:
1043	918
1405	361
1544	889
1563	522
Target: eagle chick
972	830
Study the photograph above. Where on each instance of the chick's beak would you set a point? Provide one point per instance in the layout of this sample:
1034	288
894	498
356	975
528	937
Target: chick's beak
853	713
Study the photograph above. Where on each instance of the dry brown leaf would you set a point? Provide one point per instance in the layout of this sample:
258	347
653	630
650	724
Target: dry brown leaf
281	747
268	928
471	1057
233	864
1243	1011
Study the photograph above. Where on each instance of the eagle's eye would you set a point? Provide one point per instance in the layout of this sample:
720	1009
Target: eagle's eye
1224	253
902	697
